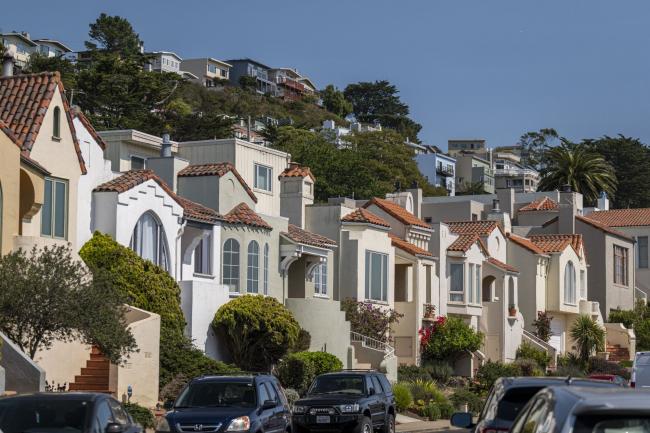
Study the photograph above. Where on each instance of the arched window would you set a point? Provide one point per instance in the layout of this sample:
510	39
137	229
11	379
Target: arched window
149	241
253	275
230	274
56	123
569	283
266	269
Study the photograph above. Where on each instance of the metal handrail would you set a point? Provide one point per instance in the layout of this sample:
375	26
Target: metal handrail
373	344
535	340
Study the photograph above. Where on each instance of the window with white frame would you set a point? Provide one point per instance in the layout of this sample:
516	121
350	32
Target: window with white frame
583	284
569	284
266	269
642	246
471	280
149	241
54	212
477	284
253	274
456	282
376	276
320	279
203	256
138	162
620	265
230	273
263	175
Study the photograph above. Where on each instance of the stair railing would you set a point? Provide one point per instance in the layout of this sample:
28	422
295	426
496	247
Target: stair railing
373	344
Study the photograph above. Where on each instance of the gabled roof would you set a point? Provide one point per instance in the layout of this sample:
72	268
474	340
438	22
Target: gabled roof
300	236
297	170
197	212
499	264
397	212
556	243
542	204
482	228
622	217
408	247
24	101
525	243
465	242
216	169
602	227
89	127
361	215
242	214
20	36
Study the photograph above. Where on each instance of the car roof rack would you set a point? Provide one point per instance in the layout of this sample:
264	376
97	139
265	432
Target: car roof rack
365	370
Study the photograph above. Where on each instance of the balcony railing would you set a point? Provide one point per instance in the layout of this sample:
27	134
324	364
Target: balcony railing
445	171
516	172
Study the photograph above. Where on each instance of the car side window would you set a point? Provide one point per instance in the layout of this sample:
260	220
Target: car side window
280	391
118	412
535	418
377	385
104	415
263	393
369	385
385	383
490	408
272	394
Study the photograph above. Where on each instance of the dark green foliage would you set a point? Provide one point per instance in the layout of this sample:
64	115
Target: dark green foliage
638	319
403	397
440	371
257	330
463	396
302	342
542	326
140	415
335	102
40	63
411	373
489	372
470	188
114	34
528	367
368	319
570	365
528	351
247	82
627	317
600	365
588	335
534	144
298	370
626	363
431	412
46	295
451	339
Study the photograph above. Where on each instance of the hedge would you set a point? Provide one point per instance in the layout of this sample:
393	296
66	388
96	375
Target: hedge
141	415
299	369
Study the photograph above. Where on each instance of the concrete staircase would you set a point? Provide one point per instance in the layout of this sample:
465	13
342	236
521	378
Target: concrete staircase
618	353
95	376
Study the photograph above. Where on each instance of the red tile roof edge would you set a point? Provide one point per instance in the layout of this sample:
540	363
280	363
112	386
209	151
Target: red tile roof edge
397	212
602	227
364	216
408	247
526	243
193	171
500	264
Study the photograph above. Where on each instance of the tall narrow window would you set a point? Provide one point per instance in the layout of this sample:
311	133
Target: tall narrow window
149	241
642	242
569	284
54	211
253	275
203	256
266	269
583	285
320	279
376	276
470	280
477	284
56	126
456	283
620	265
230	274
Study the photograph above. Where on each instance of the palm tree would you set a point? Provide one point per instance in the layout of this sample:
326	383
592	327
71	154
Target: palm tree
574	164
588	335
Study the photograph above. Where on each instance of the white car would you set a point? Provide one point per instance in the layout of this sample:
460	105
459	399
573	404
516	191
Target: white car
641	371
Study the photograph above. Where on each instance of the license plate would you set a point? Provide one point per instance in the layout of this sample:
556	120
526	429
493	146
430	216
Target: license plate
322	419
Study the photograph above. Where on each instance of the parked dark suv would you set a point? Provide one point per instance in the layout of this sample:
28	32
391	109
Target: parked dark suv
252	403
351	401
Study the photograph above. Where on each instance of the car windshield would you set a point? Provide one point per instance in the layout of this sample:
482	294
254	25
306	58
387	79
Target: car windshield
215	394
338	385
612	424
52	415
642	359
513	400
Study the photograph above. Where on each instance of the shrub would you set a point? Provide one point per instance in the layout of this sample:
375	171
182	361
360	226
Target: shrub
528	367
410	373
542	326
626	363
173	387
140	414
292	396
603	366
440	371
446	410
489	372
528	351
403	397
303	342
588	335
424	392
370	320
626	317
464	396
571	370
298	370
431	412
448	339
258	330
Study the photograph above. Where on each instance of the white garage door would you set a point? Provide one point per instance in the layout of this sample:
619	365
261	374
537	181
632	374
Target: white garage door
557	328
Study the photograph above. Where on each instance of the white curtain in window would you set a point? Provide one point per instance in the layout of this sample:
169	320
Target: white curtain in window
253	275
149	242
456	289
569	283
230	272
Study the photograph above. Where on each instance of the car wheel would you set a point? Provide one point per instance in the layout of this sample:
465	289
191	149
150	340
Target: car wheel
365	426
390	424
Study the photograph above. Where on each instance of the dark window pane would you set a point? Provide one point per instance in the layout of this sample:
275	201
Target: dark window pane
59	209
513	400
46	212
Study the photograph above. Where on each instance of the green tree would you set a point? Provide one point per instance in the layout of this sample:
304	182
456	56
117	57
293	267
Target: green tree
470	188
588	335
335	102
47	296
248	83
448	339
631	162
576	165
534	144
114	34
257	330
40	63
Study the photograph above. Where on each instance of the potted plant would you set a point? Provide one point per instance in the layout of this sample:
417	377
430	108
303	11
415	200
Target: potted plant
429	311
512	310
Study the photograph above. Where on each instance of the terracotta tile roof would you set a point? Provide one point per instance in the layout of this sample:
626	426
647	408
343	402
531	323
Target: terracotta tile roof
542	204
600	226
362	215
482	228
197	212
525	243
297	170
216	169
556	243
501	265
301	236
24	101
242	214
622	217
76	112
397	212
465	242
408	247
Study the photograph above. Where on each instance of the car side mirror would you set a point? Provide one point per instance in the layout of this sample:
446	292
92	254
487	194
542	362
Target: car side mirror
114	428
371	391
269	404
461	419
168	405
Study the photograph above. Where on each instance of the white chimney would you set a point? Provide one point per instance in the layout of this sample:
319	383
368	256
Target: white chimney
7	66
603	201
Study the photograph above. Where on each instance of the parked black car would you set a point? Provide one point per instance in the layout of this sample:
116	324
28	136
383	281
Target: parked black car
509	395
252	403
356	401
70	412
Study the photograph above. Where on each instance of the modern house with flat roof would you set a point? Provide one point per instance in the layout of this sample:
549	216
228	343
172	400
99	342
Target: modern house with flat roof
473	170
255	69
209	72
439	169
509	172
475	145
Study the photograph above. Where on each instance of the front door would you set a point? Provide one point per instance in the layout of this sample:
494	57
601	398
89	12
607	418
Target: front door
557	335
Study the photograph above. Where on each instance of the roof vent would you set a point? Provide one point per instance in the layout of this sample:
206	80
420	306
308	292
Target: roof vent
166	148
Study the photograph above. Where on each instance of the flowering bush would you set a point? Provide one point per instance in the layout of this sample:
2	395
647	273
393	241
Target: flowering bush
370	320
447	338
543	326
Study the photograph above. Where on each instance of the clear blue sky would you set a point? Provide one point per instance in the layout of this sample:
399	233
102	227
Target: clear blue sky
491	69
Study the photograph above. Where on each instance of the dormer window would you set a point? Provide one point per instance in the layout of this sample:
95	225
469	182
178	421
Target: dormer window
56	124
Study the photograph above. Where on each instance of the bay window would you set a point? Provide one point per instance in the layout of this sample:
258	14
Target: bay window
456	282
376	276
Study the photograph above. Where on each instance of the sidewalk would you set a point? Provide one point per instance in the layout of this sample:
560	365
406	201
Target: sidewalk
411	425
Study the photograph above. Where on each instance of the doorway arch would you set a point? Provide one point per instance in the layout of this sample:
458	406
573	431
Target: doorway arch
487	289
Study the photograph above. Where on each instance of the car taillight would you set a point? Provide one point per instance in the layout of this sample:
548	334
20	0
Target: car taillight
632	385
